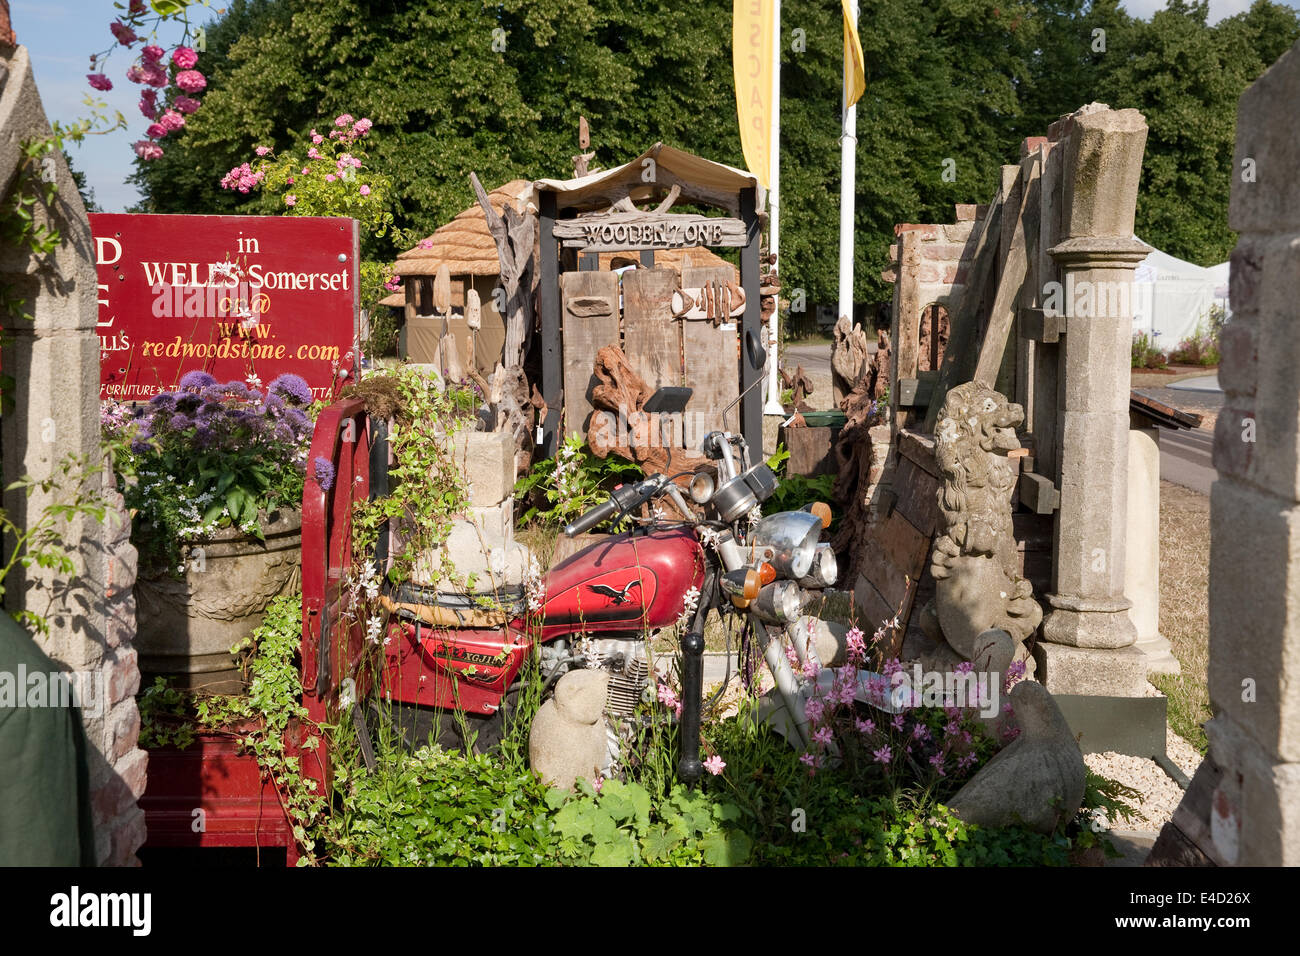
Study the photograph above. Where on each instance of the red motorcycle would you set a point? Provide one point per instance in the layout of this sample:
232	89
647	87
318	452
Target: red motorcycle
601	606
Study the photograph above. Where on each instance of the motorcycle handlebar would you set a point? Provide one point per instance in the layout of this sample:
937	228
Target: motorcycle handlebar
620	500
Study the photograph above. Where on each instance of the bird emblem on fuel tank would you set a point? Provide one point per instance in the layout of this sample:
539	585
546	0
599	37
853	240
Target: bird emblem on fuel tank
615	595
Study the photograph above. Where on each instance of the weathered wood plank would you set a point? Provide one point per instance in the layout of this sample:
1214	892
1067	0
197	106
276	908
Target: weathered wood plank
712	361
1010	286
964	334
619	231
1044	413
1023	348
907	340
650	336
589	311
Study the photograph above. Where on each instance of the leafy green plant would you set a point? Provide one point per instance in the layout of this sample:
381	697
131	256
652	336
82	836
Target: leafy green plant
1199	348
559	489
622	826
210	456
43	540
795	491
1145	353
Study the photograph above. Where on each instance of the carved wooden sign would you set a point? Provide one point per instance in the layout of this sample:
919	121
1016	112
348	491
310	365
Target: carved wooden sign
626	231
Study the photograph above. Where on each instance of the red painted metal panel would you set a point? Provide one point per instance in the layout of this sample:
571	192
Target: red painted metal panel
171	290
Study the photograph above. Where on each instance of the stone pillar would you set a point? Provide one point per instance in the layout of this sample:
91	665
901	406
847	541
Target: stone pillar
53	356
1142	553
1088	638
1255	504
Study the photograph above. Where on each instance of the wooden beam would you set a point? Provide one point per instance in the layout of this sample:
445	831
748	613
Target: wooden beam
1038	493
964	331
907	343
549	293
751	405
1014	272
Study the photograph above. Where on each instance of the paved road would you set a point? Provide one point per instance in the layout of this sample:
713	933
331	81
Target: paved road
1185	458
813	358
1186	454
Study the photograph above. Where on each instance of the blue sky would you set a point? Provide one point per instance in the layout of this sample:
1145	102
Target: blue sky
61	35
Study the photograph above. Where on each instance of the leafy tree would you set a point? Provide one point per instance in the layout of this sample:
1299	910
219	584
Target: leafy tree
460	85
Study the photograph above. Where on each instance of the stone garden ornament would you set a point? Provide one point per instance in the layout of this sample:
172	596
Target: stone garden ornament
983	609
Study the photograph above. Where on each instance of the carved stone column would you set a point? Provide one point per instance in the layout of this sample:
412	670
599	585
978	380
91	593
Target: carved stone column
1088	635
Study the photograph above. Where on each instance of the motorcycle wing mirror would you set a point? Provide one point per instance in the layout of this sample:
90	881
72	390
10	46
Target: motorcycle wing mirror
757	354
668	399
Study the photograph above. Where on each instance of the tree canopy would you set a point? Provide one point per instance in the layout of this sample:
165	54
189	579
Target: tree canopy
454	86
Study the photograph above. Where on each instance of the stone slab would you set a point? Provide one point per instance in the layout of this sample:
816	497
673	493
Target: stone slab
1099	672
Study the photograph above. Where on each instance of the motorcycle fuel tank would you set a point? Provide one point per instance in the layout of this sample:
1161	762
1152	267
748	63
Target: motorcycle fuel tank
629	582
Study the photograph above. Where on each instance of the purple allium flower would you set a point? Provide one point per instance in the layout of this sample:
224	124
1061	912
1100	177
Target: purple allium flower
292	388
197	379
323	469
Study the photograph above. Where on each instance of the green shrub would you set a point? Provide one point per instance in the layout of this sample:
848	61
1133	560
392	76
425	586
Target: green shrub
1145	353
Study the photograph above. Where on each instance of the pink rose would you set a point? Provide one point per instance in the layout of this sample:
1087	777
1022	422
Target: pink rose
155	75
365	190
289	180
362	127
148	108
306	170
137	6
172	120
191	81
329	177
184	57
343	120
184	104
291	200
426	243
99	81
156	131
148	151
262	150
313	153
135	73
151	53
317	138
125	35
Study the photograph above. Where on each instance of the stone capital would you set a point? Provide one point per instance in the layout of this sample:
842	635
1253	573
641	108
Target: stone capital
1100	252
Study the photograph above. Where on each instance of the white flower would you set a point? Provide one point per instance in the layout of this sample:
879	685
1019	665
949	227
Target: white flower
253	381
709	537
690	600
373	627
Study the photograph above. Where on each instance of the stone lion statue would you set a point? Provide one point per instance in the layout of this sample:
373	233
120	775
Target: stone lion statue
983	609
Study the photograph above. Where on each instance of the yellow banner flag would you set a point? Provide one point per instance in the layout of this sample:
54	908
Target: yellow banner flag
751	59
855	70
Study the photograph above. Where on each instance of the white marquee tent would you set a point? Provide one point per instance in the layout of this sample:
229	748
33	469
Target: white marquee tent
1171	297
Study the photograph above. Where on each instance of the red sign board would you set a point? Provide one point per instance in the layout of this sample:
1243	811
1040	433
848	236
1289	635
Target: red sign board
240	297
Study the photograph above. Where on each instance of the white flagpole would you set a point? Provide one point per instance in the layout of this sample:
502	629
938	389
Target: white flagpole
848	164
773	406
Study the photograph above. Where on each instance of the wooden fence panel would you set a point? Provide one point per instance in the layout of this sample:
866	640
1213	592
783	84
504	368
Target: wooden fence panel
589	313
712	359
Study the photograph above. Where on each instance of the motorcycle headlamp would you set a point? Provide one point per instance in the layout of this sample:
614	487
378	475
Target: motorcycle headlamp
788	541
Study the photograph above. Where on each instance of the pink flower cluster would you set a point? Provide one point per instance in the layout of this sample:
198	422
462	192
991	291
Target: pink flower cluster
242	177
151	72
348	131
393	283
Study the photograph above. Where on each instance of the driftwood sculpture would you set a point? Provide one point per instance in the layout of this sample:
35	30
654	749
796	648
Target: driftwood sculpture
983	609
514	236
620	426
848	356
800	386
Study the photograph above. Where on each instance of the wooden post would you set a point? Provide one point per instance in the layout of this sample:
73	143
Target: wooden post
751	406
549	291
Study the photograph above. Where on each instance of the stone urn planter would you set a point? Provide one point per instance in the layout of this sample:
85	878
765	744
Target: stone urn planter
187	625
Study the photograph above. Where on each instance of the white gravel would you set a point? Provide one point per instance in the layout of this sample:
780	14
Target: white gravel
1160	794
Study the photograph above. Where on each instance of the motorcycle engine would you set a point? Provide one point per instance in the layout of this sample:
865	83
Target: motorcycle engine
628	667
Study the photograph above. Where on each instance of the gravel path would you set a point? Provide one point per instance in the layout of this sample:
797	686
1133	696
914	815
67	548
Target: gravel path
1160	794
